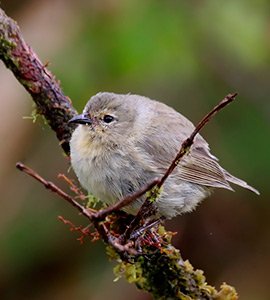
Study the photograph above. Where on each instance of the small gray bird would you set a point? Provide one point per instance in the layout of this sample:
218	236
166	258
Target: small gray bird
124	142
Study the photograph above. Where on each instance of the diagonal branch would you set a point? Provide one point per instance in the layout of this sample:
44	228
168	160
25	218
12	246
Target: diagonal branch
55	189
100	227
189	141
36	79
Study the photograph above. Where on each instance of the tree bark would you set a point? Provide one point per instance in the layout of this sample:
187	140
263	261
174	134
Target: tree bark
37	80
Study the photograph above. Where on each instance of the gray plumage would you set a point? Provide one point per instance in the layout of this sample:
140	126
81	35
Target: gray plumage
116	155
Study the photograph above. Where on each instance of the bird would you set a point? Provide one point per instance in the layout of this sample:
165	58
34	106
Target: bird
125	141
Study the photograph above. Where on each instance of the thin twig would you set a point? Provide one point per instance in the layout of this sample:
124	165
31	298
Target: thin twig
100	227
52	187
126	200
189	141
73	187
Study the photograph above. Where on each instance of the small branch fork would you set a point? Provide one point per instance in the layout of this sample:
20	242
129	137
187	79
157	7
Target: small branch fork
154	187
88	213
52	187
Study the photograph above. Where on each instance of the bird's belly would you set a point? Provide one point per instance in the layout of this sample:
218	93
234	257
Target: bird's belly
179	197
102	181
113	175
92	177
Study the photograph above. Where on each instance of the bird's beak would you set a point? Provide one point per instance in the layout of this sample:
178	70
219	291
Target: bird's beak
81	119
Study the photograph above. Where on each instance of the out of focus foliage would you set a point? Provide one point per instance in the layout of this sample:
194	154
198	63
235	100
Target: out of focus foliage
189	54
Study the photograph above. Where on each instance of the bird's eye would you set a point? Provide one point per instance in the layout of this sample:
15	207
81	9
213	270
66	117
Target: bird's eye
108	118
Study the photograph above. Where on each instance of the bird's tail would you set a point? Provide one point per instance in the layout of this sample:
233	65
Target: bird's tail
229	177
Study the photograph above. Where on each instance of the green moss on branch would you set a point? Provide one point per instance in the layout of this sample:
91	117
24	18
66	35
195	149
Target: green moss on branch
166	275
37	80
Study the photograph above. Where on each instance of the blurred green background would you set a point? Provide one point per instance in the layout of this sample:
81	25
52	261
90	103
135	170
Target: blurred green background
188	54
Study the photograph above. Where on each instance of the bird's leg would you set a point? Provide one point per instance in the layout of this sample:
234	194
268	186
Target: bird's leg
148	236
147	209
145	227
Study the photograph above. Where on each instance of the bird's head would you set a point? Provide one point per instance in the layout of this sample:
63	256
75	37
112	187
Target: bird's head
107	118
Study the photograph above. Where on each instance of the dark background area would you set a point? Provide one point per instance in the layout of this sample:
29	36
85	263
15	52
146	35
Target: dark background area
188	54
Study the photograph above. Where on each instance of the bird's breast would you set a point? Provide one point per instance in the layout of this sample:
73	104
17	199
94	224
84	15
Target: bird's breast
94	162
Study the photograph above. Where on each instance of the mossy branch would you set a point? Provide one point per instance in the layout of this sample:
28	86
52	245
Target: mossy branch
162	273
37	80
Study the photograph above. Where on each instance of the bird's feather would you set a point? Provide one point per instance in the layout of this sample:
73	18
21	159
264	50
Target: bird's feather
199	166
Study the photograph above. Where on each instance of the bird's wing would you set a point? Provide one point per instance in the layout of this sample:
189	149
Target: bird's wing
166	131
200	167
